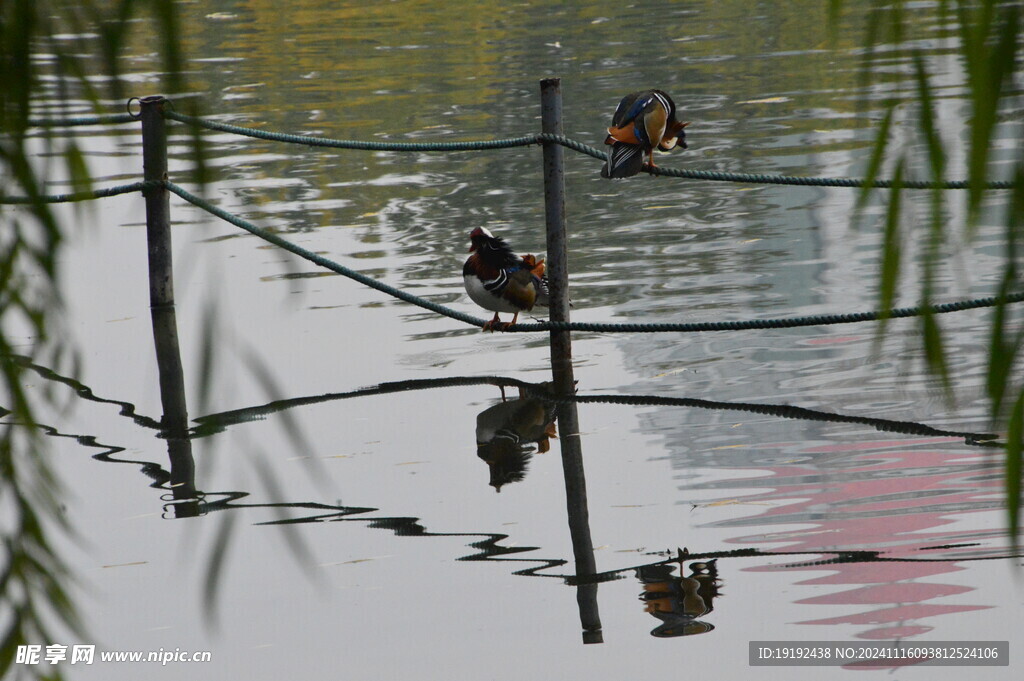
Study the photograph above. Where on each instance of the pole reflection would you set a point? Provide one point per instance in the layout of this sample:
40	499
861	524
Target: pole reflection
578	516
174	423
680	598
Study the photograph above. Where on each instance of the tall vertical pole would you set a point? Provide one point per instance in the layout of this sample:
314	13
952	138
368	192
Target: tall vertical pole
554	218
158	212
561	364
161	303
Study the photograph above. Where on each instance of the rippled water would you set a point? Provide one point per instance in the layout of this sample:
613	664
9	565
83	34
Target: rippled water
834	515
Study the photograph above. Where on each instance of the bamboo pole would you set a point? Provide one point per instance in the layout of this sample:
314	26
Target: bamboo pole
158	212
161	302
554	218
561	362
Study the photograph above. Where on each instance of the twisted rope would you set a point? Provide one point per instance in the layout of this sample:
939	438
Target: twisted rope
524	140
79	196
312	141
755	178
540	138
758	178
110	119
813	320
320	260
596	327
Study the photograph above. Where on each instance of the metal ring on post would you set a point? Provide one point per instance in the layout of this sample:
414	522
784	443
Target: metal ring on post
128	108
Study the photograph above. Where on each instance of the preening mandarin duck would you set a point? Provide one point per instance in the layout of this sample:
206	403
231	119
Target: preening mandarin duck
680	601
642	121
501	281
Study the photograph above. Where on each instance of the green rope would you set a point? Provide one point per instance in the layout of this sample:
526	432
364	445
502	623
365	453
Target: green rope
320	260
110	119
312	141
78	196
814	320
756	178
787	323
596	327
753	178
527	140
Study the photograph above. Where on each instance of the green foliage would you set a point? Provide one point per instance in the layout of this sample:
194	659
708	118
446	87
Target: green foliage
987	34
33	578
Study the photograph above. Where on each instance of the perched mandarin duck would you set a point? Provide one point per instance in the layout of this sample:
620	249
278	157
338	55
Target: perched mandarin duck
642	121
501	281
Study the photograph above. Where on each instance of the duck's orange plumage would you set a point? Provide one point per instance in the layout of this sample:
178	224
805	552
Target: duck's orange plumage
642	122
499	280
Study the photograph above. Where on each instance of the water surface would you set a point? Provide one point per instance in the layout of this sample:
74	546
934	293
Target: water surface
364	538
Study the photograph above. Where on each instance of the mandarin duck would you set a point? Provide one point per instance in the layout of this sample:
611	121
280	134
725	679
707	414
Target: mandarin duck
501	281
505	431
680	601
642	122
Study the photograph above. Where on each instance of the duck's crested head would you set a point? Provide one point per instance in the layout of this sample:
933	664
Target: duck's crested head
479	237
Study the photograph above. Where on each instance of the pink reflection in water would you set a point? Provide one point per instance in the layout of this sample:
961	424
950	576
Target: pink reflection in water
894	497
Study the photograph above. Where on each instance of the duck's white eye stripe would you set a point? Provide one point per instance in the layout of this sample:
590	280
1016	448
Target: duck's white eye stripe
487	232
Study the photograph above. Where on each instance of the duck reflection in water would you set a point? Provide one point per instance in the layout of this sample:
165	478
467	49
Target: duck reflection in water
679	602
506	431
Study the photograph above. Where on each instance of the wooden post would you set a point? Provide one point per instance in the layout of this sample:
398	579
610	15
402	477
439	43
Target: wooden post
161	303
561	362
554	218
158	212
